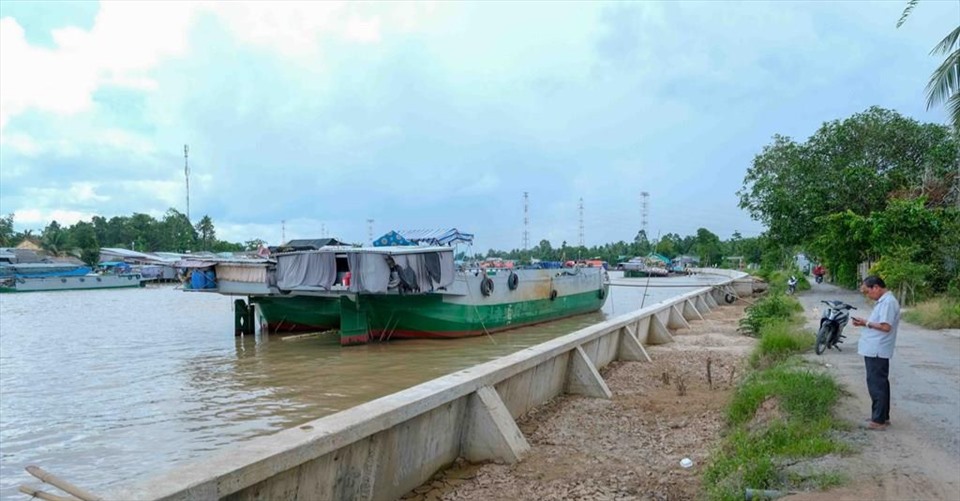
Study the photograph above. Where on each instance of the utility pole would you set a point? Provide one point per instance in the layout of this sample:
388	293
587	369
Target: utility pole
526	222
581	221
370	231
644	211
186	174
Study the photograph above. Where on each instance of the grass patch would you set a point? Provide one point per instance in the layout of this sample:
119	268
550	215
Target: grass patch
769	308
778	340
781	412
939	313
805	395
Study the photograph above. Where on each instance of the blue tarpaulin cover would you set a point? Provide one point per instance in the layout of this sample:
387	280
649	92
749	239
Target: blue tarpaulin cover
391	239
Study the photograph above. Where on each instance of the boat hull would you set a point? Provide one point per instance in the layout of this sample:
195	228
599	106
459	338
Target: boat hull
298	313
539	296
65	283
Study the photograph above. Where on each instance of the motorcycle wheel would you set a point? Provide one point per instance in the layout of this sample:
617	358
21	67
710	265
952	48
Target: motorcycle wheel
822	336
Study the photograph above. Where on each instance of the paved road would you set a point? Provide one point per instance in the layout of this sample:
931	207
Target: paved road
924	372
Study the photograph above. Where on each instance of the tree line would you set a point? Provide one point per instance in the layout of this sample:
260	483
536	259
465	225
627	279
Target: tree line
139	232
876	187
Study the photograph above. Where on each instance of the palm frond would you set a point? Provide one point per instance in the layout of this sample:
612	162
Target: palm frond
944	80
953	108
947	44
906	12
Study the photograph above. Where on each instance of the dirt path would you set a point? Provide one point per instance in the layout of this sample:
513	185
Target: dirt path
628	447
918	457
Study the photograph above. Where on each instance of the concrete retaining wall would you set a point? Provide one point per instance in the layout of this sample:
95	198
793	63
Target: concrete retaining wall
384	448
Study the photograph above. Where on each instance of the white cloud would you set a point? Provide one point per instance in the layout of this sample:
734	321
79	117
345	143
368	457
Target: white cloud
43	217
127	40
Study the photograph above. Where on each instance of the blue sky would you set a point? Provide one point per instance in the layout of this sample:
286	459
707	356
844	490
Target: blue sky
426	115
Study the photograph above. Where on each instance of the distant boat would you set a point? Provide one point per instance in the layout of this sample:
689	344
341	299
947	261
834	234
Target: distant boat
39	277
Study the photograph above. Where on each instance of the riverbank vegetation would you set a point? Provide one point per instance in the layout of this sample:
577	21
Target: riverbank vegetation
781	412
874	192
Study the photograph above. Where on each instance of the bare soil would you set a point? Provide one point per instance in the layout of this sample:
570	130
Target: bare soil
628	447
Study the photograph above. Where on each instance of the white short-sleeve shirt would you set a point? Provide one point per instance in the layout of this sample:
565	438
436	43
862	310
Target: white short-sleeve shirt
876	343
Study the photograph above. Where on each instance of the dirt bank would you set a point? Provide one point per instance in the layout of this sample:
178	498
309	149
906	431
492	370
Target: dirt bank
628	447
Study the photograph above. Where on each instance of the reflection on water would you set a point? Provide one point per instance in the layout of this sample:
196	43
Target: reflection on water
107	385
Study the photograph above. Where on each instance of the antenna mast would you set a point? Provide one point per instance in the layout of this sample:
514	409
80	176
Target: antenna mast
186	174
581	221
370	231
526	222
283	231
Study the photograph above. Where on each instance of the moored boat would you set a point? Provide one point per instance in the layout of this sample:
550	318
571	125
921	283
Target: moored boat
39	277
395	292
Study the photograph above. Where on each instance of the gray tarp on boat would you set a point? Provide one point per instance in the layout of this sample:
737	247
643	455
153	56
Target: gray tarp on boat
369	268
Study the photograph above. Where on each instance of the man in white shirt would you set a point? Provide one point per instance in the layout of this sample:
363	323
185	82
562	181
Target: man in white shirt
877	340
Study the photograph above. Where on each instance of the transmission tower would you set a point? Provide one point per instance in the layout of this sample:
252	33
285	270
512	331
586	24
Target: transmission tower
370	231
581	221
323	230
644	211
283	231
186	174
526	222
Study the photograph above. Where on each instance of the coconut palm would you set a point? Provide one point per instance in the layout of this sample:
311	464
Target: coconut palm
945	80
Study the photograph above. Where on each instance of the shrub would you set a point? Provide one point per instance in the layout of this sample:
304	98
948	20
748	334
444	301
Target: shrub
769	308
778	340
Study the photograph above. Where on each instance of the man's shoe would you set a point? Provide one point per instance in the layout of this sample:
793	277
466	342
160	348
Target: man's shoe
873	425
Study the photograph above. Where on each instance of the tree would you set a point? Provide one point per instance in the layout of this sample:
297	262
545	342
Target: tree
178	234
206	232
856	164
54	239
83	236
945	81
6	231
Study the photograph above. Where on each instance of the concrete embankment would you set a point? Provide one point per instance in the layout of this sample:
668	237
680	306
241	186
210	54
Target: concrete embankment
385	448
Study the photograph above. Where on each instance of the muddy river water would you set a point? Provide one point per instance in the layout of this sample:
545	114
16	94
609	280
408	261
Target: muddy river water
101	387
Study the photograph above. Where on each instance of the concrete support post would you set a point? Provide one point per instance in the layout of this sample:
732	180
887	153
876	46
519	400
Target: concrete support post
642	330
658	333
630	348
676	320
491	433
710	301
583	377
702	305
690	311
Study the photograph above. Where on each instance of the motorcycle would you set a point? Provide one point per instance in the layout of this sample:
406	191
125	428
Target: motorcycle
792	285
832	322
819	278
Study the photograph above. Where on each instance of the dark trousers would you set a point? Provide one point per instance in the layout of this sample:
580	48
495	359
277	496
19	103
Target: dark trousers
878	369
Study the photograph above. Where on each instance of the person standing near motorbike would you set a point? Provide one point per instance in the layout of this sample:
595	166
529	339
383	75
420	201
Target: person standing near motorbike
877	341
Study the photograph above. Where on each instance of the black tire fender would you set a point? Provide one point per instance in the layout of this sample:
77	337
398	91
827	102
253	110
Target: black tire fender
729	298
602	293
486	286
513	281
553	294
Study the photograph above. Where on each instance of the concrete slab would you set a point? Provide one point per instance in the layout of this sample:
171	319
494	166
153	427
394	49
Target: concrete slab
583	377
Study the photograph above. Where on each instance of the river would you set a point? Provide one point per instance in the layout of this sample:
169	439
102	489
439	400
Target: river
101	387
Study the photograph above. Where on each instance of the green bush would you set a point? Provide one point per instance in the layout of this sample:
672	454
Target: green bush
769	308
805	395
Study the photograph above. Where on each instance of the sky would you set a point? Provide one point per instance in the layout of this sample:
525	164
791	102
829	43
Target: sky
309	119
